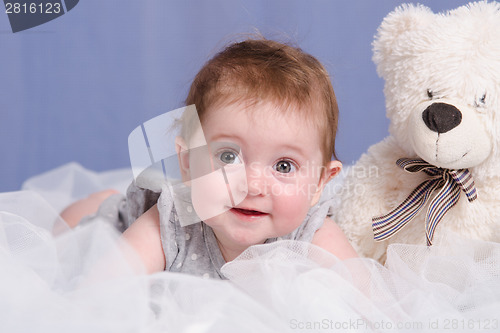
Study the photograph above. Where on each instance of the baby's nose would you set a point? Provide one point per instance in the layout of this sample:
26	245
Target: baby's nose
257	181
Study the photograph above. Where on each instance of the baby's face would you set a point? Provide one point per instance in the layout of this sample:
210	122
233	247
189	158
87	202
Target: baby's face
258	174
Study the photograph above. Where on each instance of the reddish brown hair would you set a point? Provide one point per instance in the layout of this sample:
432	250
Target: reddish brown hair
261	69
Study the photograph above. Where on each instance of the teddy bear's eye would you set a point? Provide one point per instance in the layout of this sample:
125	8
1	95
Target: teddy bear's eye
481	101
429	93
434	94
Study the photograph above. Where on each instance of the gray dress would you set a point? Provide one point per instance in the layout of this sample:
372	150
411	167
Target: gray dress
191	249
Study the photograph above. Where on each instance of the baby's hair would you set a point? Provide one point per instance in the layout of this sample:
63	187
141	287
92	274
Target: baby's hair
259	69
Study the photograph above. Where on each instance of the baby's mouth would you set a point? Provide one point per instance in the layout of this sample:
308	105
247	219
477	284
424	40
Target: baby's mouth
248	212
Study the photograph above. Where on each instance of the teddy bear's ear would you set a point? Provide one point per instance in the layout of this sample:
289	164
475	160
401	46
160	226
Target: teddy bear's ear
395	32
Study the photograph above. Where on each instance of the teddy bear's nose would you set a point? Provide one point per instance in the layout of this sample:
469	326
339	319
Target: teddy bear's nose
441	117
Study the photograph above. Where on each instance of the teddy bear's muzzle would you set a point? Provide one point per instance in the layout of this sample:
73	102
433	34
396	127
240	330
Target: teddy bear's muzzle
441	117
449	134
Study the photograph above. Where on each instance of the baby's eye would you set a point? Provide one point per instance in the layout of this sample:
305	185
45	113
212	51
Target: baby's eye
229	157
284	166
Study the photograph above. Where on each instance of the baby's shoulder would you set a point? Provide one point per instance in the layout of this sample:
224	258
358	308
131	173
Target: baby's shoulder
144	237
331	238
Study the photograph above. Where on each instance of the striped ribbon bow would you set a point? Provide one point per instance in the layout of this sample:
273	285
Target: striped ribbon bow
450	182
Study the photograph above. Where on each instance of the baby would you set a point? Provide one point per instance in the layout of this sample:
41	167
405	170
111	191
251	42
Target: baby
268	118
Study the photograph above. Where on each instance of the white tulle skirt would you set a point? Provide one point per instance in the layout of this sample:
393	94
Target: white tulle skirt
56	279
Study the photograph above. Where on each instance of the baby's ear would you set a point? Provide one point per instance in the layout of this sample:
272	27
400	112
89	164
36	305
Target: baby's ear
182	151
331	169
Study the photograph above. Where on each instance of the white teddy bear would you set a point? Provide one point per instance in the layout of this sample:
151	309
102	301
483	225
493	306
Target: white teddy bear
442	89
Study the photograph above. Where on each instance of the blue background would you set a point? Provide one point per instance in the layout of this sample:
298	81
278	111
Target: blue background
74	88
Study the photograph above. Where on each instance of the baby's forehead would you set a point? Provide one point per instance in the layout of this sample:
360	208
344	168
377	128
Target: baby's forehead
262	110
264	117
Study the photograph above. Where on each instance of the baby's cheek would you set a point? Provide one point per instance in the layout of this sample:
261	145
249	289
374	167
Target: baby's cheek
290	209
210	195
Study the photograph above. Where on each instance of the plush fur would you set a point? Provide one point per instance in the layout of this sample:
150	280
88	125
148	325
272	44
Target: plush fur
426	58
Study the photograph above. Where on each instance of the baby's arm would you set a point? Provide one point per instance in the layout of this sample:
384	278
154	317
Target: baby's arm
144	236
331	238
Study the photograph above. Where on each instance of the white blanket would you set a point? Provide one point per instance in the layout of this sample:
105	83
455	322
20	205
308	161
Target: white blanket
56	279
